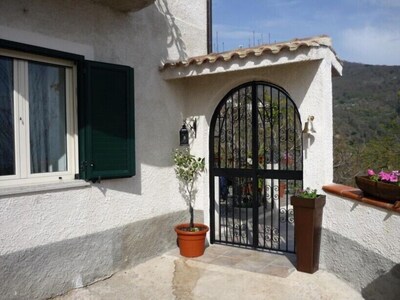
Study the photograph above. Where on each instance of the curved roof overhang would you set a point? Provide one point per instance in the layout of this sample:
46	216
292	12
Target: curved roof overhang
125	5
297	50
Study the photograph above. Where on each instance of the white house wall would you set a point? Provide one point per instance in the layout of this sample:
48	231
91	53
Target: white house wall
53	241
308	83
360	243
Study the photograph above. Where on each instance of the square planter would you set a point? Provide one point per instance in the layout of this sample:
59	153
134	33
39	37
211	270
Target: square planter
308	224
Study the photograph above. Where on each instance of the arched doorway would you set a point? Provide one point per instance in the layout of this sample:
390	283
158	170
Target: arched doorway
255	165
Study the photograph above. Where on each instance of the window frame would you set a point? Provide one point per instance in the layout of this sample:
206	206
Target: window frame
23	174
82	132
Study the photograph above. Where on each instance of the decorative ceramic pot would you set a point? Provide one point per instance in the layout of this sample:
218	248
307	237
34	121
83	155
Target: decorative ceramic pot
191	243
387	192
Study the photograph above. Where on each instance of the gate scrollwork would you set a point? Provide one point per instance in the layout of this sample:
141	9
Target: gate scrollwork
255	161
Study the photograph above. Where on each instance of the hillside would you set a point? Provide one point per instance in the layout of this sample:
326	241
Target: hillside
364	98
366	117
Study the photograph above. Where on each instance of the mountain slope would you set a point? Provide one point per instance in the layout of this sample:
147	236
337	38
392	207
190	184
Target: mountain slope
365	98
366	112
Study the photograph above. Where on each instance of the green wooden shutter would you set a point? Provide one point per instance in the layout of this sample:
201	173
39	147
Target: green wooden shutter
107	134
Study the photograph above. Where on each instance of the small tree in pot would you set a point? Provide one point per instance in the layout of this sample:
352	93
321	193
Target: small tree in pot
187	169
191	237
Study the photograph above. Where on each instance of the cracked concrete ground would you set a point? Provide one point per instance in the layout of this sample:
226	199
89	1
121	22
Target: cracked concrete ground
221	273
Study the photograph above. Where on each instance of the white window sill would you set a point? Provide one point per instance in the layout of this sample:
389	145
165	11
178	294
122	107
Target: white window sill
25	189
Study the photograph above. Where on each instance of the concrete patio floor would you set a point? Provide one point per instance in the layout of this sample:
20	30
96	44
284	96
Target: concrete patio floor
221	273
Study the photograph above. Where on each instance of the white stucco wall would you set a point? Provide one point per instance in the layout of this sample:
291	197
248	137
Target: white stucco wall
360	243
169	29
139	40
373	228
176	30
173	29
308	83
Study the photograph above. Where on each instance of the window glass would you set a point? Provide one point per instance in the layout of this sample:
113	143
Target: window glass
38	119
47	118
7	145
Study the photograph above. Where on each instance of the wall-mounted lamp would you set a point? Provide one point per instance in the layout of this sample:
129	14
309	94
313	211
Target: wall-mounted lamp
309	127
184	132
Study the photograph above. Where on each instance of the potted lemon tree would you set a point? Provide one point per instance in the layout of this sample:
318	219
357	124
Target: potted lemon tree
191	236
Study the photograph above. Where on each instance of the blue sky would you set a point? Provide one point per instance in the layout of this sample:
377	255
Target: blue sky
365	31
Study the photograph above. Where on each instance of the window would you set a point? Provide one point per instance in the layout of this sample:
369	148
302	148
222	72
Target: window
62	117
37	118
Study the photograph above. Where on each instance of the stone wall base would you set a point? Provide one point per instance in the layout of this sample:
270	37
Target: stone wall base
54	269
375	276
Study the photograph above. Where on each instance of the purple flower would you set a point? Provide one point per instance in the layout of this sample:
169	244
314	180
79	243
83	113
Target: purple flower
371	172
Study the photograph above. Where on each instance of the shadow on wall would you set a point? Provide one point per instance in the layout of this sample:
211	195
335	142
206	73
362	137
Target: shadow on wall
49	270
138	39
367	271
158	103
174	34
386	286
204	93
154	137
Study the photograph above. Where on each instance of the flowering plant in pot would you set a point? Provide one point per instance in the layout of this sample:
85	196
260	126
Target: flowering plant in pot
308	193
191	236
308	210
383	185
388	177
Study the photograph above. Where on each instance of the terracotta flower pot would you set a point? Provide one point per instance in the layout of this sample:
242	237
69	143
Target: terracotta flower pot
191	244
387	192
307	230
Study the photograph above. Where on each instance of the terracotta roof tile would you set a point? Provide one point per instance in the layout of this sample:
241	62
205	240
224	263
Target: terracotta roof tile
260	50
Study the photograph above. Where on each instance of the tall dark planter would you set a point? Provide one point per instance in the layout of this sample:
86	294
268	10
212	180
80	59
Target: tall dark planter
308	224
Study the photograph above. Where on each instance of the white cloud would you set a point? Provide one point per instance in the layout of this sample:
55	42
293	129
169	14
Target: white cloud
370	45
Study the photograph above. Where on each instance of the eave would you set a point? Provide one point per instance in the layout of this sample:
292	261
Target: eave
125	5
298	50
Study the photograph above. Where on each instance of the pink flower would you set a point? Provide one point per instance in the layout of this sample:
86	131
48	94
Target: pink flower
391	177
384	176
394	176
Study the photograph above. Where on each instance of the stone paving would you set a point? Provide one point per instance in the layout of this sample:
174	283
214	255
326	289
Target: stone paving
254	261
221	273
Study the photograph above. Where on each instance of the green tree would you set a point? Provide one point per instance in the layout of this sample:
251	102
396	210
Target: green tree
383	152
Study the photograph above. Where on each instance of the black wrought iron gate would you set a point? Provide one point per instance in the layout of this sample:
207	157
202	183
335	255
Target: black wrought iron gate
255	165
